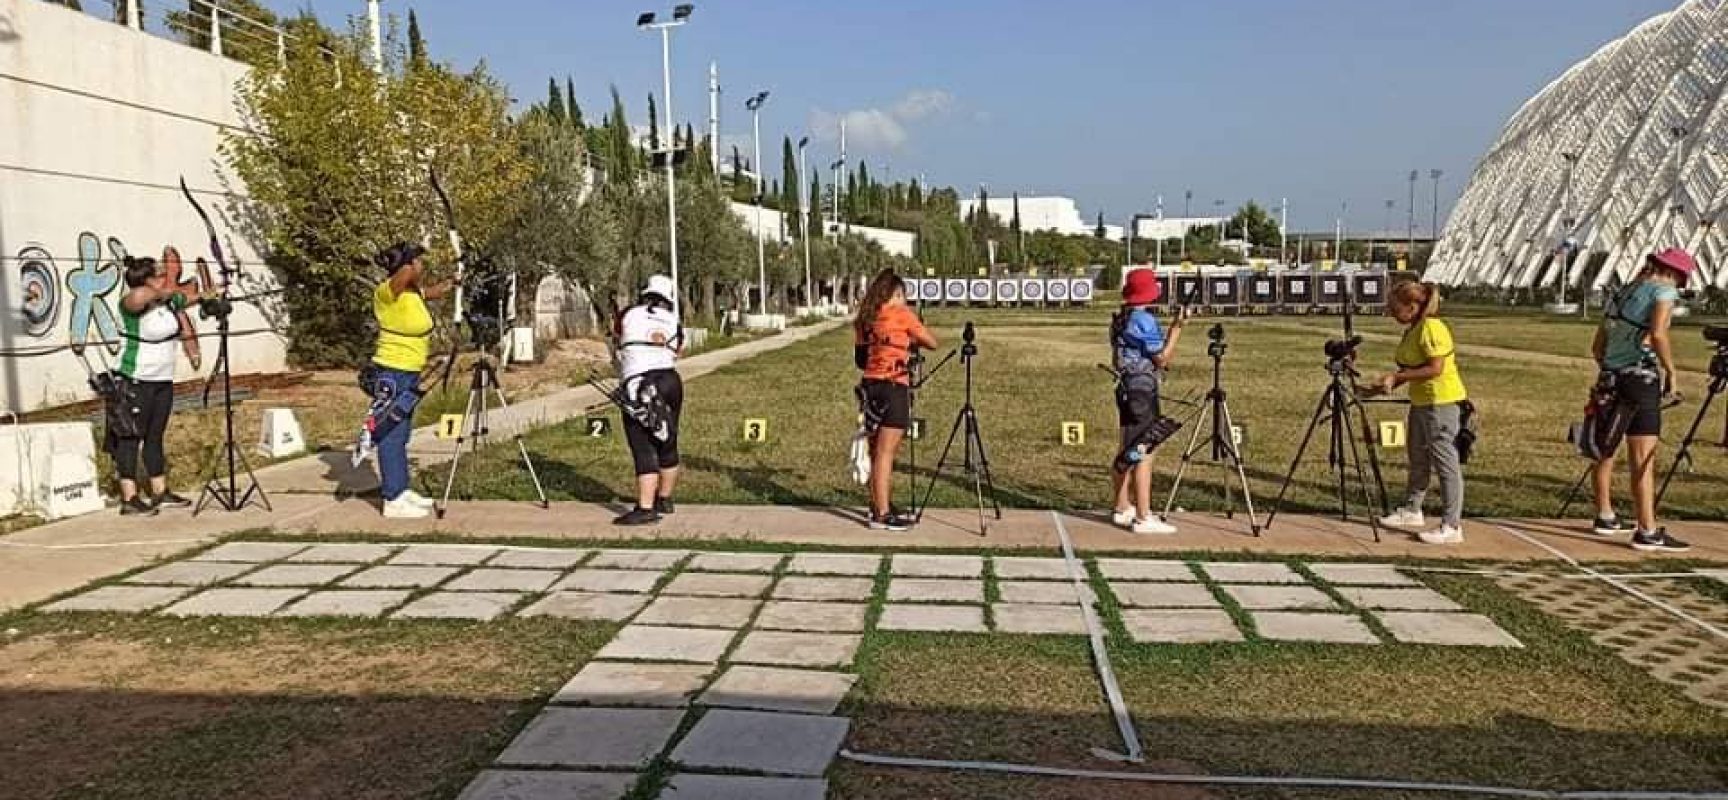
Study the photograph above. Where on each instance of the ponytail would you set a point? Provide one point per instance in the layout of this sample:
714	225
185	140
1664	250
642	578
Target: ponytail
882	288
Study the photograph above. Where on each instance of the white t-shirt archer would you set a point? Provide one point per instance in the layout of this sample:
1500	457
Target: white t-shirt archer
637	350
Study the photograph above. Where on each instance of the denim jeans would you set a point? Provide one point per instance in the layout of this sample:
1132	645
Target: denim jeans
391	420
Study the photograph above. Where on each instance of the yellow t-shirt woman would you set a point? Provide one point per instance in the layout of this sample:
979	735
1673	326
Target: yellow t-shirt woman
1427	340
404	329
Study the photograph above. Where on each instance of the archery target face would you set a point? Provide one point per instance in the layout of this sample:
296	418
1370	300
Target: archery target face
1298	289
914	290
39	290
1221	290
1187	290
1007	291
1032	289
979	291
932	290
1057	291
1081	291
1371	289
1332	289
1262	290
1165	293
954	291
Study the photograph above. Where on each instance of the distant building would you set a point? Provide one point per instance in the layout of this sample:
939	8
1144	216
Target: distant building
1173	227
1059	214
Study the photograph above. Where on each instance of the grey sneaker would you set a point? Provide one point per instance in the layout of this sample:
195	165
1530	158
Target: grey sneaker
1658	541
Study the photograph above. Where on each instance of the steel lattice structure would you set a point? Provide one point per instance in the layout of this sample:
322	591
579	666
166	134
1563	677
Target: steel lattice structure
1624	153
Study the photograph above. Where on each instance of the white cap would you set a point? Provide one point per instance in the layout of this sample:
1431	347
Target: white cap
663	286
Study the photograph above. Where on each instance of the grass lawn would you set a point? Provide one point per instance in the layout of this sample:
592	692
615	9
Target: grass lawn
1036	370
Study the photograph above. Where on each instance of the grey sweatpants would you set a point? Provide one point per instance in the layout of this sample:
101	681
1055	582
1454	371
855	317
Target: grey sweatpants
1433	449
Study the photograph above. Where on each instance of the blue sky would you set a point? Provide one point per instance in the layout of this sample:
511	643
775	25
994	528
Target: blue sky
1112	103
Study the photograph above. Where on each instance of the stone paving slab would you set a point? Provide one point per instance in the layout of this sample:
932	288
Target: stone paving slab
1016	618
796	615
1252	572
699	612
537	558
605	683
917	566
792	690
629	581
344	553
1180	626
686	786
718	584
346	603
860	564
637	559
1362	575
593	737
1164	595
233	603
601	607
1038	569
491	579
1053	593
1136	569
962	619
823	588
136	599
1426	627
755	741
191	573
253	552
736	562
650	643
442	555
935	590
459	605
1296	626
797	649
399	577
1279	598
1399	599
509	784
296	575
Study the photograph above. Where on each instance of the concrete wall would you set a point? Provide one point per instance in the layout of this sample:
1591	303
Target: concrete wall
777	228
97	125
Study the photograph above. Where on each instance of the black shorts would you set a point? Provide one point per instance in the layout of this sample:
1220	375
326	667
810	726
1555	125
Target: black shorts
890	404
1641	395
1137	405
649	454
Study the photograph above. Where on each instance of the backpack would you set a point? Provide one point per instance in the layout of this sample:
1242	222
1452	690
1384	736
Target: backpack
1606	418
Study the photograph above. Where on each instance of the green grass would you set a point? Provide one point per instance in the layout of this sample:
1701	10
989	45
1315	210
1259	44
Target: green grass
1036	370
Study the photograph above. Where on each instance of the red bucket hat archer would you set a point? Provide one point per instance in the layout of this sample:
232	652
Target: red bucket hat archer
1678	260
1141	288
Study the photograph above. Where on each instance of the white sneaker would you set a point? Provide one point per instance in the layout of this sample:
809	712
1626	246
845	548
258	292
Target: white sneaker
414	497
1123	517
403	508
1152	525
1404	518
1445	534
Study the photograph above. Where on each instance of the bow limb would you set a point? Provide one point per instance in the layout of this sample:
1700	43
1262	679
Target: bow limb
461	270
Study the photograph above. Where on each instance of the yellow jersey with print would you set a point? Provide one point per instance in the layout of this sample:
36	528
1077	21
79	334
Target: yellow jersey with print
404	329
1422	342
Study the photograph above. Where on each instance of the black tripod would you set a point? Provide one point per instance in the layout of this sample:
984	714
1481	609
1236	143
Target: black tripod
975	462
1718	384
224	488
1343	453
917	376
483	377
1222	439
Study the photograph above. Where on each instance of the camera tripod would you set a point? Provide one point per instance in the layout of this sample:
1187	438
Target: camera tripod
1222	439
1343	453
917	376
1718	384
975	462
483	377
229	496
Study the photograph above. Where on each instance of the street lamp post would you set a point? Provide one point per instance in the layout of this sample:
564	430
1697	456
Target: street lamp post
804	218
1187	214
1338	234
1434	224
646	21
754	104
1386	229
1410	230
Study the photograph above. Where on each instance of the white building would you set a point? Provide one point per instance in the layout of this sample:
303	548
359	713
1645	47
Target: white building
1173	227
1059	214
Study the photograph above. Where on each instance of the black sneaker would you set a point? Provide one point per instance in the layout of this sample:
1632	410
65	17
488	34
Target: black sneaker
891	522
171	500
1658	541
136	507
637	516
1607	526
663	506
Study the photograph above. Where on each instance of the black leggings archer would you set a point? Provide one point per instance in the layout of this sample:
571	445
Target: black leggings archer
153	402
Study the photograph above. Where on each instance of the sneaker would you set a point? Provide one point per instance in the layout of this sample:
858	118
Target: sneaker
136	507
171	500
1658	541
891	522
1607	526
1123	517
663	506
403	508
363	449
1152	525
1404	518
414	497
1445	534
637	516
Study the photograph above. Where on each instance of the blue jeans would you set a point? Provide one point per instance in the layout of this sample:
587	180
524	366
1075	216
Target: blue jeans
391	420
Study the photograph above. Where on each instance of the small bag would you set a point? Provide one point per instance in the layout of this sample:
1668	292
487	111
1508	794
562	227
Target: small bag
858	456
368	379
1605	420
1468	431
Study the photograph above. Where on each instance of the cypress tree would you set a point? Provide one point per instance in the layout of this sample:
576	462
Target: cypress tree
788	175
571	110
416	44
653	125
554	99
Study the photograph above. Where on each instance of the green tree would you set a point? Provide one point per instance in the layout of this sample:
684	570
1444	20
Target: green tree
620	154
1098	232
571	109
788	176
416	44
554	106
653	124
1262	228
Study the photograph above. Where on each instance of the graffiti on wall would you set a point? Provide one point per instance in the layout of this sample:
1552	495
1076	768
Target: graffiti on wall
91	291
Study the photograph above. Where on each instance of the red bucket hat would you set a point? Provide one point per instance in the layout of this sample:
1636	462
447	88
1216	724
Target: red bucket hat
1141	288
1678	260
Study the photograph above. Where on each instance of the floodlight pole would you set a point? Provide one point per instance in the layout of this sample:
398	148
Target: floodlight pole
804	218
754	104
1338	234
1410	230
1283	230
647	22
1434	223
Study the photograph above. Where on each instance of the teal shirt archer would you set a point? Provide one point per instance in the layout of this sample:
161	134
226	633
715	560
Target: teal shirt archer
1629	323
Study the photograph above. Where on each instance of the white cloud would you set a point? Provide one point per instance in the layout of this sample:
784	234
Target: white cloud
877	128
921	103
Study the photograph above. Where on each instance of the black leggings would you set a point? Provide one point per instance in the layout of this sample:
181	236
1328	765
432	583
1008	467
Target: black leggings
651	455
153	402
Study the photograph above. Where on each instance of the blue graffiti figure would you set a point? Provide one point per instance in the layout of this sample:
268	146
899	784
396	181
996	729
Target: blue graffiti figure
90	284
